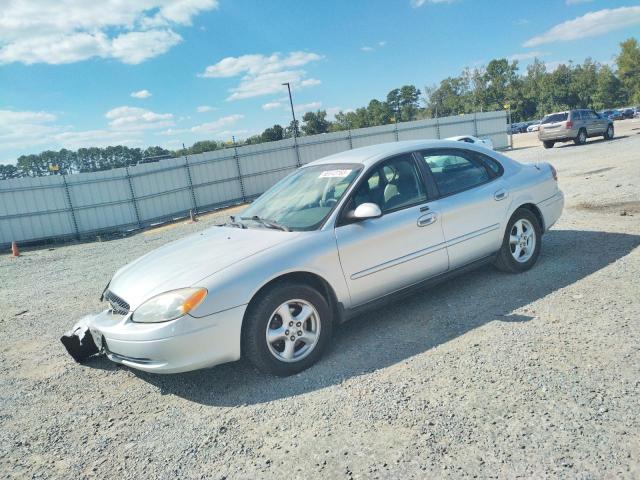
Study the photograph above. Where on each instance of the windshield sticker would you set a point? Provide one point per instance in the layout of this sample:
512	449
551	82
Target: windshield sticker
334	173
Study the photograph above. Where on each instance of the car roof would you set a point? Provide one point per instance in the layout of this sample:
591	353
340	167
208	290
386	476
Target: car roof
371	154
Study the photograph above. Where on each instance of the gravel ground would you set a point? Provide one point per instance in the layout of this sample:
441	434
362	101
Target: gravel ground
490	375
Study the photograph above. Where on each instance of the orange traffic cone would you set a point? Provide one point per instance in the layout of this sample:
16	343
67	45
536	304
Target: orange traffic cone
14	249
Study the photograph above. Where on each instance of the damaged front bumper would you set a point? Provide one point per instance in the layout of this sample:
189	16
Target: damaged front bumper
187	343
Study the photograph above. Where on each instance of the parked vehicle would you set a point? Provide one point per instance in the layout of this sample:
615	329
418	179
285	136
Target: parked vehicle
334	238
627	113
486	142
534	127
611	114
515	128
574	125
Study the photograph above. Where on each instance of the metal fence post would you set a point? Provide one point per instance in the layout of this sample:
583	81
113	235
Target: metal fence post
350	140
510	131
475	124
73	213
133	197
237	158
438	127
295	147
395	130
193	193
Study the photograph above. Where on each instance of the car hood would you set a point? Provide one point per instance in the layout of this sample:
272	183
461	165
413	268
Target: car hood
187	261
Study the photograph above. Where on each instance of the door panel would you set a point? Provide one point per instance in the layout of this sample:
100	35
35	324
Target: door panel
472	222
382	255
473	204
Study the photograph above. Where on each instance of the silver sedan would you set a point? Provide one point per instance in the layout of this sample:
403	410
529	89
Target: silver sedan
334	238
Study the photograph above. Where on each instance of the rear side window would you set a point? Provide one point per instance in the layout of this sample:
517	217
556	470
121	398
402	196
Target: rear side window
555	117
454	172
493	165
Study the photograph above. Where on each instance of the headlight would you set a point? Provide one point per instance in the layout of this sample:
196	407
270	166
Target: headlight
169	306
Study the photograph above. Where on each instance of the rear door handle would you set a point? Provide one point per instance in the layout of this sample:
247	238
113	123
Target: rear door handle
500	194
427	219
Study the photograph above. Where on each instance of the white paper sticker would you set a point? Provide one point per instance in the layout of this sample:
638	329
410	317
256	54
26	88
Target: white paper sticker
334	173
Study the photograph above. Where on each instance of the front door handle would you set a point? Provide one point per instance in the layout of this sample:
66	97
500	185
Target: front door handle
500	194
428	219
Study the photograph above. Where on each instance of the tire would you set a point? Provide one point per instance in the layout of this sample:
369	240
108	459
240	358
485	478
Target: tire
608	133
506	257
581	139
262	316
548	143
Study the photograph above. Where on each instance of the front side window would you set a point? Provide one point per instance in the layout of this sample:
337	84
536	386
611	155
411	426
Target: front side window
455	172
304	199
391	185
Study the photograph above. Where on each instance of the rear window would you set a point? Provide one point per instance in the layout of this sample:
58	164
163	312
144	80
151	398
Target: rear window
555	117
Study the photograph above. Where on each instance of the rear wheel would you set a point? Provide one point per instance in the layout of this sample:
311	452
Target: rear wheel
286	329
548	143
581	139
608	134
521	243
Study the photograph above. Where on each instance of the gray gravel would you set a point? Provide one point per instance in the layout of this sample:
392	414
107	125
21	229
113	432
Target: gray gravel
489	375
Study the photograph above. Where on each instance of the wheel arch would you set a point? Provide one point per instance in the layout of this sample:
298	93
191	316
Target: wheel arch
533	208
306	278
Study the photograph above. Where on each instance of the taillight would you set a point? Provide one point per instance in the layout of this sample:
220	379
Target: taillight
569	124
554	173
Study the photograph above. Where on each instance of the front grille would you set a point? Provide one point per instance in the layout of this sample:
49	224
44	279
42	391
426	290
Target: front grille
118	305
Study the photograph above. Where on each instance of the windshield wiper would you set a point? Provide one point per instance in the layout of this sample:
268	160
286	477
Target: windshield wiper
234	223
267	223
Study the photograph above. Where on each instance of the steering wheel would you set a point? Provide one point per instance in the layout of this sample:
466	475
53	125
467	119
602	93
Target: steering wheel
329	202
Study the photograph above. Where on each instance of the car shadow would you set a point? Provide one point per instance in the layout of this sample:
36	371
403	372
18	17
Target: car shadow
593	140
414	325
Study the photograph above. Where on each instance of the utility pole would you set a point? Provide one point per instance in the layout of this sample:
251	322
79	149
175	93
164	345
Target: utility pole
293	113
295	126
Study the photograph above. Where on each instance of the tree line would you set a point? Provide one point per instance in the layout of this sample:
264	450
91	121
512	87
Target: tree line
499	85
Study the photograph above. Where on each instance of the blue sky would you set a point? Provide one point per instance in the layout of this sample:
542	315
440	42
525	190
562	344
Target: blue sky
164	72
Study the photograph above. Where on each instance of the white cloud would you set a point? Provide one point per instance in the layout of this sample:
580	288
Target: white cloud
263	75
204	108
575	2
419	3
589	25
65	31
141	94
96	138
366	49
217	125
271	105
134	118
382	43
20	128
527	56
305	107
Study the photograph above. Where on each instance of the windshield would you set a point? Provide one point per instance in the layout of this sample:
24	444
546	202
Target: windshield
555	117
303	200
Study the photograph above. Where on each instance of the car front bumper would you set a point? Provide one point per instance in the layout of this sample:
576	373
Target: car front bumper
180	345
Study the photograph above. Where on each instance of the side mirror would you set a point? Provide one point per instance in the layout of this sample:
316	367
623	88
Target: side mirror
366	210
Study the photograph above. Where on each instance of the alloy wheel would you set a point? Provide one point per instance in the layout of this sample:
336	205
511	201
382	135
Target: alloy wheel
522	240
293	330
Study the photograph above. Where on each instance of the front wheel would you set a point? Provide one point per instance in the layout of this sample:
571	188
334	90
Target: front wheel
521	243
286	329
548	143
608	134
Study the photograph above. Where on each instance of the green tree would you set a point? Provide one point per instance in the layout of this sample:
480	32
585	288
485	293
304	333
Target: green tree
315	123
9	171
273	134
628	62
609	90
